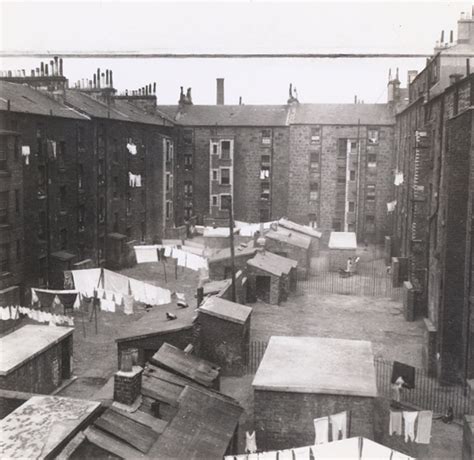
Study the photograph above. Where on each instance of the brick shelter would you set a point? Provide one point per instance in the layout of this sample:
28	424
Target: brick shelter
303	378
271	277
342	245
36	359
224	334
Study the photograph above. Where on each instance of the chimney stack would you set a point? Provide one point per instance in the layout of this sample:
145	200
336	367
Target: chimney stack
466	29
128	380
220	91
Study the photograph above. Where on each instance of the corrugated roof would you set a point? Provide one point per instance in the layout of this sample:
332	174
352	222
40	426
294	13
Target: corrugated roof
201	429
186	364
25	99
272	263
343	114
289	237
225	309
228	115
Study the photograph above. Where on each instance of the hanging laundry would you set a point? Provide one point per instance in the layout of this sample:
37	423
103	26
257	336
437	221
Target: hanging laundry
301	453
406	372
128	304
118	299
286	454
138	180
168	251
395	424
409	419
423	428
131	179
253	457
34	297
138	290
115	282
68	280
250	442
321	428
51	146
85	281
132	148
25	151
45	298
68	300
107	305
339	425
398	178
146	254
268	455
391	206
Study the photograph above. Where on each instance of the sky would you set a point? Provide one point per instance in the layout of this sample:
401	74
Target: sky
232	27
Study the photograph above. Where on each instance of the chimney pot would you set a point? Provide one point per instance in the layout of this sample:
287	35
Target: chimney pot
220	91
111	81
61	67
42	69
46	70
442	37
451	36
154	87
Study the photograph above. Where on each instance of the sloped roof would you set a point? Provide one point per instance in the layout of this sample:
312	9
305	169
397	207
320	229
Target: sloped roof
25	99
299	228
225	309
228	115
239	251
343	114
272	263
122	110
289	237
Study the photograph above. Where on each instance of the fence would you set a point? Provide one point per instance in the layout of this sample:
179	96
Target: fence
428	393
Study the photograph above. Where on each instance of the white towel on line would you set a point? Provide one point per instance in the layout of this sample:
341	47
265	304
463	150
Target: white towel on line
321	428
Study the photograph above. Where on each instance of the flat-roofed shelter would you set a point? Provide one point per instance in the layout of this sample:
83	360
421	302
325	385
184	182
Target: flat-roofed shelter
342	245
303	378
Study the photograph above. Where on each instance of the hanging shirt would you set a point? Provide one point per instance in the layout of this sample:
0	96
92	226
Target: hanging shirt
285	454
409	419
132	148
339	425
146	254
423	429
85	281
395	424
25	151
128	304
301	453
250	442
116	283
321	428
406	372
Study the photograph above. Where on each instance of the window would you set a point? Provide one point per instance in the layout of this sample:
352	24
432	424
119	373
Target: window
315	135
188	136
100	172
62	154
169	151
313	191
264	172
188	188
80	176
373	136
314	160
369	219
266	137
371	160
266	159
312	220
169	209
336	225
63	238
18	250
17	201
265	190
370	192
80	137
42	225
264	215
188	161
168	181
351	206
115	187
39	140
225	176
81	217
3	207
352	175
342	148
225	202
3	152
214	200
62	198
225	150
4	257
352	147
188	212
215	174
214	148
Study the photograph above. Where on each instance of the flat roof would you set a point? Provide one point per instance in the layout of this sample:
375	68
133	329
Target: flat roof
317	365
26	343
342	240
225	309
43	425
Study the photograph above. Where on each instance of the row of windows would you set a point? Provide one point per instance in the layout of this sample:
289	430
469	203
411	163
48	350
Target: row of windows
222	200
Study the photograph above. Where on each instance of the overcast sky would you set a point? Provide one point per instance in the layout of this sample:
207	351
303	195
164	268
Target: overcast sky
393	27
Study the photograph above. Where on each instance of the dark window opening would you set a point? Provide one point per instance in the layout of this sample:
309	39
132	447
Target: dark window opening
265	190
315	135
3	207
313	191
225	176
266	137
225	150
314	160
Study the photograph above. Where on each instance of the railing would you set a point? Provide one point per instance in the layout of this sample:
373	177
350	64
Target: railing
428	393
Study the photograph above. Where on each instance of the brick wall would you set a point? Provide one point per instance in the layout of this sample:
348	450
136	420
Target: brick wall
128	385
284	420
279	286
301	255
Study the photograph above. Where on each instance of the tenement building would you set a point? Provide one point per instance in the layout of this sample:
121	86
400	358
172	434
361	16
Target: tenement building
434	203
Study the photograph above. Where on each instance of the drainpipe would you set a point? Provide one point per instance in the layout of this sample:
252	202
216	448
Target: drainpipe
358	177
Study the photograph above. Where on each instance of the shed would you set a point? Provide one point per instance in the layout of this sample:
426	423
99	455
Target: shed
342	245
43	425
220	265
313	233
224	334
293	245
315	377
271	277
36	359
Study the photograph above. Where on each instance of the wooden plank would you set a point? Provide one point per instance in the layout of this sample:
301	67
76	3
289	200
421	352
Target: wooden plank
156	424
112	445
72	446
133	433
161	390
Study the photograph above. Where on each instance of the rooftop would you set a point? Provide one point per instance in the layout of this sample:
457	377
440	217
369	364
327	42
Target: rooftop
309	231
225	309
27	342
342	240
317	365
25	99
290	237
41	426
272	263
240	250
